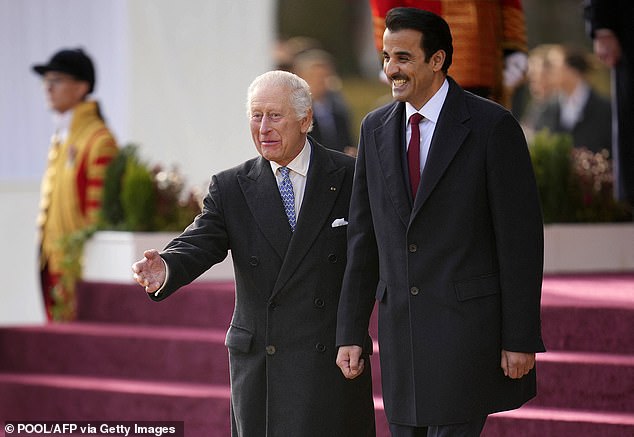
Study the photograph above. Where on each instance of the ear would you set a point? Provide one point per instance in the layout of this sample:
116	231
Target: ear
82	89
306	121
437	60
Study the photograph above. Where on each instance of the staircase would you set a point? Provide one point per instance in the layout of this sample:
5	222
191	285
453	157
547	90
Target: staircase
130	359
586	379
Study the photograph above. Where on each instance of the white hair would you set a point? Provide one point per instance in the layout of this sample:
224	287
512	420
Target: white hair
299	97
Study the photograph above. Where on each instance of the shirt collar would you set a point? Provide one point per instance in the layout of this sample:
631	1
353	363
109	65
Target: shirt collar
62	121
579	96
299	164
431	109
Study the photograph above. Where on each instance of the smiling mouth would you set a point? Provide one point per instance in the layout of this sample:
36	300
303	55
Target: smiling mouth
398	82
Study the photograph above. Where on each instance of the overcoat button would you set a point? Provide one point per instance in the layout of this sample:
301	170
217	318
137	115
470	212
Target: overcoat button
254	261
332	258
270	350
414	291
319	303
320	347
412	248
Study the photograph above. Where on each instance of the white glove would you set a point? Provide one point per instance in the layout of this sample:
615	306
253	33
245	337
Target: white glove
515	66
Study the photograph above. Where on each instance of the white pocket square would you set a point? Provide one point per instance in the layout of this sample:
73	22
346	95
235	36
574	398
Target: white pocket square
339	222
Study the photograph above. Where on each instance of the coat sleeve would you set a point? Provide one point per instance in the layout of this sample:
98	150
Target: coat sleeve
361	275
519	236
201	245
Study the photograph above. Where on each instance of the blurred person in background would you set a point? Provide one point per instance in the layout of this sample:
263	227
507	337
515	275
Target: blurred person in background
80	151
490	48
611	26
538	88
331	114
576	108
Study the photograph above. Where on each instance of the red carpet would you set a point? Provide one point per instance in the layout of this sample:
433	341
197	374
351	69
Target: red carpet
130	359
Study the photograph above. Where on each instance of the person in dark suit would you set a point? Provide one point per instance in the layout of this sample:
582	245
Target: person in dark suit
283	216
576	108
331	115
610	26
447	236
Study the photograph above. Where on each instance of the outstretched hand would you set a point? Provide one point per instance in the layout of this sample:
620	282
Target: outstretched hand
149	272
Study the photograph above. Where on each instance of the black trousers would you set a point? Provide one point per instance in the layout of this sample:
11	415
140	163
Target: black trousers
468	429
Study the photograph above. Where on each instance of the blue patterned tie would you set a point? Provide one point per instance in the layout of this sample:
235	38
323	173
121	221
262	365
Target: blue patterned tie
288	198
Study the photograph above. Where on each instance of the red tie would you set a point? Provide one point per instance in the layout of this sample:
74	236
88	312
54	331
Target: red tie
413	153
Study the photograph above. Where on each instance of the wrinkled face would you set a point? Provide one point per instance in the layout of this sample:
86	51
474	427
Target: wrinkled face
404	65
277	133
63	91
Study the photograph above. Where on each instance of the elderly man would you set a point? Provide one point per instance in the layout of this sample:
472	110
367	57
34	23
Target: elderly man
282	215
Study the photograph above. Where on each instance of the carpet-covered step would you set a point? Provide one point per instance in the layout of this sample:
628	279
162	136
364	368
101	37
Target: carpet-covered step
585	381
200	304
117	351
591	329
549	422
591	313
204	408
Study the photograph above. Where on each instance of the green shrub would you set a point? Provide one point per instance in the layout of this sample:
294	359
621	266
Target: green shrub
138	197
575	184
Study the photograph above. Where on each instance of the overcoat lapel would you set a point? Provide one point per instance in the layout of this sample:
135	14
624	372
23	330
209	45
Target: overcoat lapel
263	197
449	135
389	144
323	185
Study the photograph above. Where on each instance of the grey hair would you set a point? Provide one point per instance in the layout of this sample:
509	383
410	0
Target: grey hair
299	97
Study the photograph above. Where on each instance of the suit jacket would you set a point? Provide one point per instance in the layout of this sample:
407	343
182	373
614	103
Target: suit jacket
336	136
593	130
618	15
284	378
457	273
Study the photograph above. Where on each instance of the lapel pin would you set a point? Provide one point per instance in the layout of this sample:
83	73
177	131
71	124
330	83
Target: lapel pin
333	188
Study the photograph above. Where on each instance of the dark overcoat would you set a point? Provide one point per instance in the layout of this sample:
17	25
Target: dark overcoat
281	341
457	273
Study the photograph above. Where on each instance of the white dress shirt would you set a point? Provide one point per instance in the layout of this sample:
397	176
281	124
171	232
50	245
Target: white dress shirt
298	171
572	106
430	111
62	125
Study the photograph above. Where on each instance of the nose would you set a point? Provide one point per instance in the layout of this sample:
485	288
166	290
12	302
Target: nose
389	68
265	125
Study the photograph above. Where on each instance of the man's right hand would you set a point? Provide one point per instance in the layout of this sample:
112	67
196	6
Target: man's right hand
149	272
349	361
